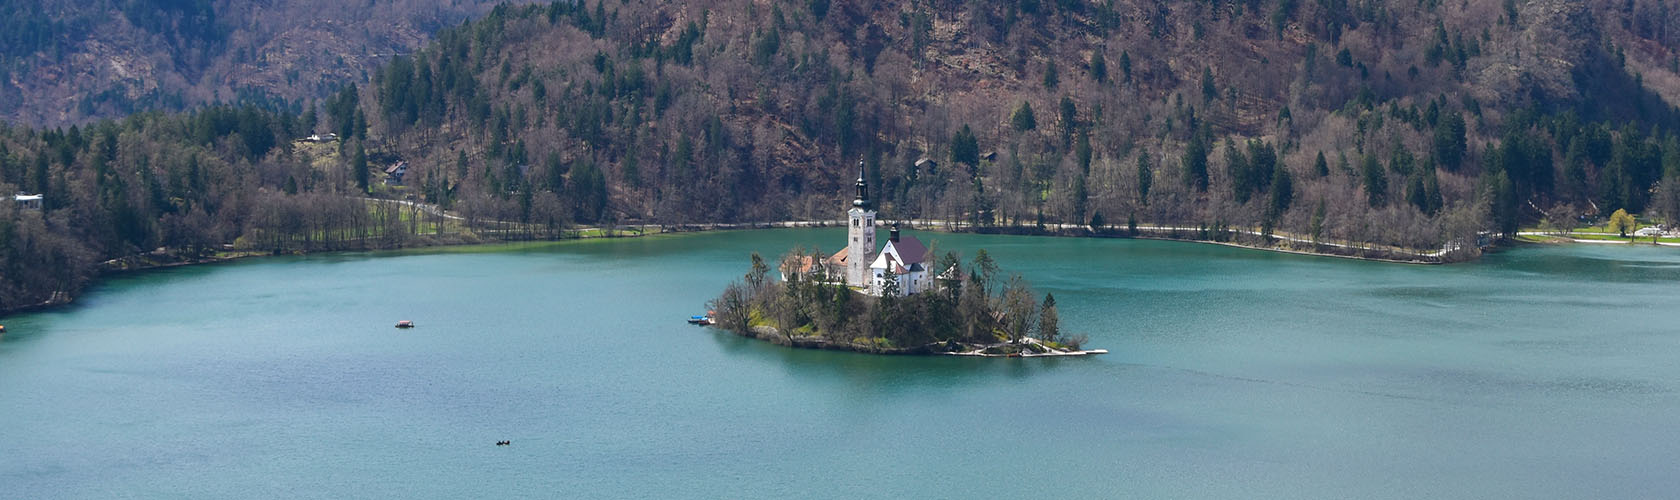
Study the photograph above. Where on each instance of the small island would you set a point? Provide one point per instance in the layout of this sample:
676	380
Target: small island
903	298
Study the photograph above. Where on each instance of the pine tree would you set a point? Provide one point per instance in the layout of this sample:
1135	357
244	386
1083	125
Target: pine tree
1283	193
359	168
1023	118
1196	161
890	289
1070	119
964	148
756	276
1099	66
1082	151
1144	177
1376	181
1126	66
1049	322
1236	167
1209	91
1449	141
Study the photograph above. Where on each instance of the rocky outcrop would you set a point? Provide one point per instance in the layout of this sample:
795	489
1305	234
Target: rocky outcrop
1555	38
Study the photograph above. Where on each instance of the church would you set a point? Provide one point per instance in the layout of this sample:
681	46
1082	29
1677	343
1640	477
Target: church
904	259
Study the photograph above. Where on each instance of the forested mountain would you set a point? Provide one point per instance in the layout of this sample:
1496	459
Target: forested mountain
1401	119
69	62
1407	123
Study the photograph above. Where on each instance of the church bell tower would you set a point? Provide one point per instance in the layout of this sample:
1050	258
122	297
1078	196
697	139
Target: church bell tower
860	246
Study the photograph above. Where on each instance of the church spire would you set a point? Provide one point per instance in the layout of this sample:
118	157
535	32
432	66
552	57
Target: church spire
862	200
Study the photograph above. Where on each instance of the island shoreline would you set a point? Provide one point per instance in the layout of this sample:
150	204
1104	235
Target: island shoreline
1024	349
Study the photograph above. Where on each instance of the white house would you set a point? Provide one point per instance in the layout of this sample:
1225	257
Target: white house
394	173
28	201
904	259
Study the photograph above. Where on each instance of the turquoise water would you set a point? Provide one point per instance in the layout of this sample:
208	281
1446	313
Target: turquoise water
1544	372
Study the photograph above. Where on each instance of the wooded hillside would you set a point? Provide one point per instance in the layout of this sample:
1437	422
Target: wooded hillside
1411	124
70	62
1407	122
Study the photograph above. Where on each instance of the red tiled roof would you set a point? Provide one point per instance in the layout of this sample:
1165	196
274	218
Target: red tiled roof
803	264
839	257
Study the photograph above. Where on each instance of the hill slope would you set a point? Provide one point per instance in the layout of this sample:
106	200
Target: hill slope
759	106
1414	124
65	63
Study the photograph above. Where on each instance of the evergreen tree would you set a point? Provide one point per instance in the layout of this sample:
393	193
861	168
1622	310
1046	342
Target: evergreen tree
1082	152
1262	163
1126	66
1196	161
756	275
1023	118
1236	167
556	171
1049	321
1504	202
964	148
1376	181
359	168
1415	193
1070	119
890	290
1050	77
1209	91
1283	193
1145	177
1321	167
41	178
1099	66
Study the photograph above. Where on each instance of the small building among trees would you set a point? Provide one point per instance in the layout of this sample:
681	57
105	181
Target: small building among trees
28	201
394	174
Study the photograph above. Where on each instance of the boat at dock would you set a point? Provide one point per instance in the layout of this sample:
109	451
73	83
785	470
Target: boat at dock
702	320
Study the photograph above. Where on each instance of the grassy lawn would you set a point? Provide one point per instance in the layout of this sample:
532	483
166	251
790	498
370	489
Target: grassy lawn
1594	237
1605	228
598	232
1602	237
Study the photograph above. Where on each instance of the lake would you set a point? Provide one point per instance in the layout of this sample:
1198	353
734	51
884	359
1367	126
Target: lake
1539	372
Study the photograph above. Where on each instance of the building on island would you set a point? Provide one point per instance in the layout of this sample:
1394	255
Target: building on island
903	259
